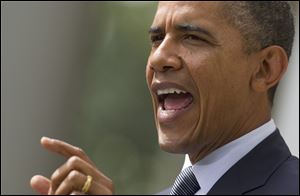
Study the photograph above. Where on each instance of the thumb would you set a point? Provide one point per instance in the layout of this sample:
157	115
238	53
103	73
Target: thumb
40	184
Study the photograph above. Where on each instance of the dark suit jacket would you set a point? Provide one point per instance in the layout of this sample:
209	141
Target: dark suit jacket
268	169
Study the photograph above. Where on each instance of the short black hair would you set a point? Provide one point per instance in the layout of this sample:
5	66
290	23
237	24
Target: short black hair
262	24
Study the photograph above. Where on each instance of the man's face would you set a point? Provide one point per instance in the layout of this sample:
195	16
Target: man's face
198	76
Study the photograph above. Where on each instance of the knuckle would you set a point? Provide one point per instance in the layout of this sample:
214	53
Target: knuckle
80	151
74	160
73	175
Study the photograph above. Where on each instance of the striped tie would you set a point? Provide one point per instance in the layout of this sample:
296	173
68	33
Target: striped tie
185	183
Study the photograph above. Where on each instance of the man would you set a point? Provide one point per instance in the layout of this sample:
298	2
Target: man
212	73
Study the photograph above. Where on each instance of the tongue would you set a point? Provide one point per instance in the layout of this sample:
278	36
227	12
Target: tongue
177	101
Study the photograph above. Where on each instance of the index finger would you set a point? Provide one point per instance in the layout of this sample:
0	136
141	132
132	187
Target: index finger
64	149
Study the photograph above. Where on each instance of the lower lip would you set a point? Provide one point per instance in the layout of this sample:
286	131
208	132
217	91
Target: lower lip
169	116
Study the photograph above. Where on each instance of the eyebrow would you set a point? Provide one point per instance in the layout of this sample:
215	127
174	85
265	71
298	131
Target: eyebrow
155	30
185	27
193	28
181	27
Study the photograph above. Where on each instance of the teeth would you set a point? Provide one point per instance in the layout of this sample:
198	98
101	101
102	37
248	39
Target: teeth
169	91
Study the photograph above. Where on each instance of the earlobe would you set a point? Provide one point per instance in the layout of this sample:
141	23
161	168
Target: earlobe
271	66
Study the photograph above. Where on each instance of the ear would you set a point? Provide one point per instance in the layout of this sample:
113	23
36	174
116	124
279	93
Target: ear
271	66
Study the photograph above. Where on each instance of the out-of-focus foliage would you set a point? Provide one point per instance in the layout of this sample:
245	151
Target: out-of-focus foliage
116	125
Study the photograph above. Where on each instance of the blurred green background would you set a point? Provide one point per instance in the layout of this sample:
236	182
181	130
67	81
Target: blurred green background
76	71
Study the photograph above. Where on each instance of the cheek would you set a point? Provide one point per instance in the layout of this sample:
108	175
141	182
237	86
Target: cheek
204	74
149	75
214	77
215	89
222	90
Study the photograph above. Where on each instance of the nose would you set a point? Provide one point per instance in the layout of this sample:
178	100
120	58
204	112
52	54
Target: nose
165	57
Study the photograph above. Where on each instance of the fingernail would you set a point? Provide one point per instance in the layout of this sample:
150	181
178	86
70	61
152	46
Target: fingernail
43	139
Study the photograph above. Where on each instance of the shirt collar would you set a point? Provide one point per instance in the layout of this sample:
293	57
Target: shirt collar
209	169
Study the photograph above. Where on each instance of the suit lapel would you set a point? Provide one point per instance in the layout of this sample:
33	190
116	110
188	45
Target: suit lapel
253	170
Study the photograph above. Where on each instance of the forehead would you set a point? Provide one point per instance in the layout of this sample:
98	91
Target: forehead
186	11
198	4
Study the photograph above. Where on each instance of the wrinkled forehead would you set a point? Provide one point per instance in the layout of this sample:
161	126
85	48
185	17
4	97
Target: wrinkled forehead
186	11
188	3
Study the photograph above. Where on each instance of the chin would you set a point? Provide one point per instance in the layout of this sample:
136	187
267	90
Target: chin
172	145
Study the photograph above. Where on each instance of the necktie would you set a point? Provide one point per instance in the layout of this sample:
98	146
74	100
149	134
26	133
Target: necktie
185	183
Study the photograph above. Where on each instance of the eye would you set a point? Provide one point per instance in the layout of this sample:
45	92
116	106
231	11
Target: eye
193	37
156	39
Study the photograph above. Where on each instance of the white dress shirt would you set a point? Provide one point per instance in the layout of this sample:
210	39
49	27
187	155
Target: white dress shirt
212	167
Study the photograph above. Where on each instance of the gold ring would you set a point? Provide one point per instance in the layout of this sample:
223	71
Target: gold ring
87	184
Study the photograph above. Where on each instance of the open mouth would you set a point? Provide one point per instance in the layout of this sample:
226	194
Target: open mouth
173	102
174	99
